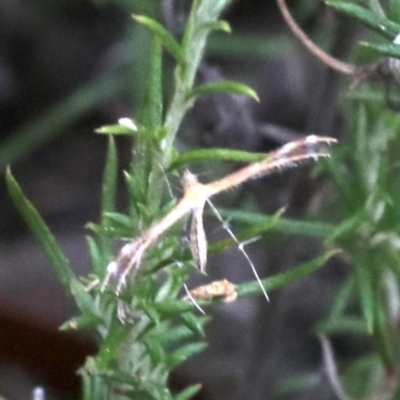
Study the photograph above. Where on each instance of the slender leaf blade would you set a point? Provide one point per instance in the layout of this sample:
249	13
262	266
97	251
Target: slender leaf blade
151	107
168	41
394	10
382	26
365	283
188	393
348	226
222	86
116	129
283	225
247	234
184	353
284	278
108	196
82	298
219	26
96	257
40	231
384	49
214	154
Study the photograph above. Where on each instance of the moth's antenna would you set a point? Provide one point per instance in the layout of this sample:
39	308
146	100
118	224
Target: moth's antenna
169	188
189	295
192	299
240	246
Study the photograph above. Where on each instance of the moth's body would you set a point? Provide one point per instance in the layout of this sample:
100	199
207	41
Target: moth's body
196	194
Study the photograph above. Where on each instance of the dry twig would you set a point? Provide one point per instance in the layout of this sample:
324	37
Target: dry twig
327	59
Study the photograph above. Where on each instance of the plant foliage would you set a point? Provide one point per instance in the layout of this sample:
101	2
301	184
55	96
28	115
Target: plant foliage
147	329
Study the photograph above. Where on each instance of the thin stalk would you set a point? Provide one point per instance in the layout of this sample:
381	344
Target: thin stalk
194	41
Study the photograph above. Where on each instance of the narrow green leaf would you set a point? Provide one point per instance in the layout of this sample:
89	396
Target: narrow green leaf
382	26
188	393
384	340
222	87
219	26
167	40
348	227
112	232
140	395
94	385
194	323
172	306
150	310
362	145
108	195
115	225
98	229
342	300
365	283
283	225
184	353
251	232
87	321
116	129
214	154
96	258
181	333
364	376
346	190
367	94
248	46
296	227
343	325
384	49
40	231
83	299
394	10
115	218
135	191
154	350
147	167
284	278
150	115
120	377
111	344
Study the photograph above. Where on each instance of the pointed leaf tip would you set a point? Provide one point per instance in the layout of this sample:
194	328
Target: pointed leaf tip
40	231
167	40
223	86
219	26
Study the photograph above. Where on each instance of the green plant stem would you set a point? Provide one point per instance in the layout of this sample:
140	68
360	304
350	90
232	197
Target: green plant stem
194	42
154	160
95	387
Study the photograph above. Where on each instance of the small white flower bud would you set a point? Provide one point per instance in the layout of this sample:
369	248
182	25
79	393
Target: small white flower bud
394	63
128	123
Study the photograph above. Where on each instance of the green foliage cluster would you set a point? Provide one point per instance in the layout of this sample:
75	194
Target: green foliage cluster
160	330
148	330
364	170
